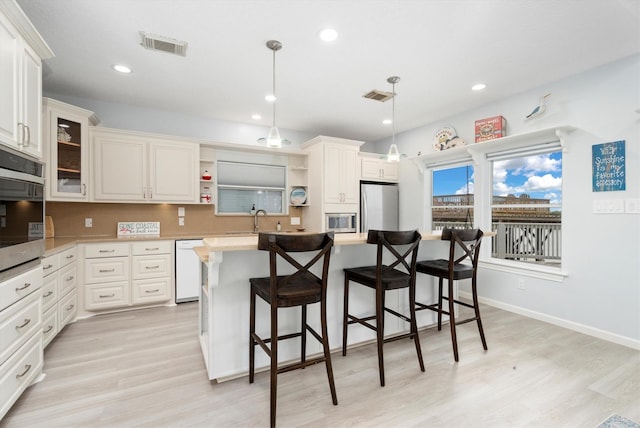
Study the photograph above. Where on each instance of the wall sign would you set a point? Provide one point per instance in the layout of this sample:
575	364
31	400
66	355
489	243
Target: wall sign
138	228
608	170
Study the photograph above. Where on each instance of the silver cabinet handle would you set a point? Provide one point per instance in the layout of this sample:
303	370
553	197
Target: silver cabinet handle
106	251
24	287
69	278
47	267
84	189
21	139
106	270
68	308
152	249
152	267
152	291
106	296
47	294
70	256
27	367
48	329
28	135
24	324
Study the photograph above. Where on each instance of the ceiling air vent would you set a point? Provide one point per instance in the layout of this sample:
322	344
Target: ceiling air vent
164	44
378	95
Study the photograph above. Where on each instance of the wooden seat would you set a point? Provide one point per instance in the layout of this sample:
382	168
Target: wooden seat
464	249
299	288
402	247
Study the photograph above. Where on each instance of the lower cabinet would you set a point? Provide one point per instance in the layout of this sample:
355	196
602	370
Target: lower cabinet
59	292
119	275
20	335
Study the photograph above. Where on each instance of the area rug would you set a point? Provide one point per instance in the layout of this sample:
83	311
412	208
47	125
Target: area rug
617	421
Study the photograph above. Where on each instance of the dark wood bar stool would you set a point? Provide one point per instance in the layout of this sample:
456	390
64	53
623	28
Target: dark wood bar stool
300	288
464	247
403	249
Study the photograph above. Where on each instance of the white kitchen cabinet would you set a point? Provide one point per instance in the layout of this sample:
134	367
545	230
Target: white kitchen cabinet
136	167
120	275
59	292
66	143
376	169
333	178
21	53
20	334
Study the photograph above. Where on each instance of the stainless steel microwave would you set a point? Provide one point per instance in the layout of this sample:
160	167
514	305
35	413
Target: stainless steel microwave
21	209
341	222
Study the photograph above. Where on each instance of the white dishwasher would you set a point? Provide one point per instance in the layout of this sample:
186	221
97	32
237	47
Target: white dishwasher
187	270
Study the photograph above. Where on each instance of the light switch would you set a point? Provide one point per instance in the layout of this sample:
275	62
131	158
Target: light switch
181	212
88	222
632	206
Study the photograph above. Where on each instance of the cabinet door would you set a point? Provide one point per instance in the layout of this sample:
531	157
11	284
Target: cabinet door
172	172
350	178
332	174
31	97
371	169
119	169
9	43
68	156
390	170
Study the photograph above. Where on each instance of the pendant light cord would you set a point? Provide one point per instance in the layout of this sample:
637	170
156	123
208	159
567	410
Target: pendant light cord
274	88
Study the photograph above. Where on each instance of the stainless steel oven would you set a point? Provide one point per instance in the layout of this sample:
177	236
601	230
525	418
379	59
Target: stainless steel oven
341	222
21	209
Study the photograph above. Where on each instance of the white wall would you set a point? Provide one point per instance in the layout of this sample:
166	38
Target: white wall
601	252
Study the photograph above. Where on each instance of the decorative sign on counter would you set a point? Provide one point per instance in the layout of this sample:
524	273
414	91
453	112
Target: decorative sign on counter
138	228
608	172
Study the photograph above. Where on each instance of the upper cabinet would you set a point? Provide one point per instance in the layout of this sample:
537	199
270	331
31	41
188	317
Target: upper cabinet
138	167
376	169
21	53
66	142
340	173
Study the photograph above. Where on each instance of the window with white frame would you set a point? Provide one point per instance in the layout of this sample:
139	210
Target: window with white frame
526	205
243	186
452	197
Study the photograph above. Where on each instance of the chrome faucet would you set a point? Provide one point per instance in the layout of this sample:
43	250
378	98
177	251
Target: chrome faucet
255	220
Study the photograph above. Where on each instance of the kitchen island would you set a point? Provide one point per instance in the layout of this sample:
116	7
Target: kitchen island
229	261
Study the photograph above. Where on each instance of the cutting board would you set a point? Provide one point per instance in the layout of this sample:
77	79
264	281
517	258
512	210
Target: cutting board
48	227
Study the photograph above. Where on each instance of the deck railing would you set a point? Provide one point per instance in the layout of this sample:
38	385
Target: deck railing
528	242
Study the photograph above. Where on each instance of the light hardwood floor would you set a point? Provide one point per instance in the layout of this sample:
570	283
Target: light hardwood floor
144	368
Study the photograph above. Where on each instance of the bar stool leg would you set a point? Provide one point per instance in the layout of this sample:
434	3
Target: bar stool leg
414	325
345	315
439	303
252	330
380	330
303	337
274	362
327	351
452	321
476	307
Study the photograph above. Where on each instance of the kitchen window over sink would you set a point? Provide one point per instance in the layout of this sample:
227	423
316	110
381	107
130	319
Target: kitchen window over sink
242	186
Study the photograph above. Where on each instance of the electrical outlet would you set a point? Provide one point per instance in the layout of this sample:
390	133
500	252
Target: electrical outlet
88	222
180	221
521	284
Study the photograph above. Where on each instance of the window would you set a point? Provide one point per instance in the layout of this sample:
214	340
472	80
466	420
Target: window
244	185
452	194
526	207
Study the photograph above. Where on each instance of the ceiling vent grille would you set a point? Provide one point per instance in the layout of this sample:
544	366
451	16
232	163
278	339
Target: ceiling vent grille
378	95
164	44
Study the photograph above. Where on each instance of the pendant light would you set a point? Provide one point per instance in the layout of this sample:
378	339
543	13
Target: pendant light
274	140
394	154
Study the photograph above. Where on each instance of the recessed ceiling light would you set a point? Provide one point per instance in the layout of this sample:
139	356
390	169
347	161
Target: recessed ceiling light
387	122
478	87
122	68
256	116
328	34
270	98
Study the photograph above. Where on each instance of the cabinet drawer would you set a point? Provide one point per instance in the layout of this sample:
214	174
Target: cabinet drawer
67	309
106	270
49	265
49	292
19	286
101	296
151	290
19	323
151	247
66	257
151	266
107	249
19	371
67	279
49	325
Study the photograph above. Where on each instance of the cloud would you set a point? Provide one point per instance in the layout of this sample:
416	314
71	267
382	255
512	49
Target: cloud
543	183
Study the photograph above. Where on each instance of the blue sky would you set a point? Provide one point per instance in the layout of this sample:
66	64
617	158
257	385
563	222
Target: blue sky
539	176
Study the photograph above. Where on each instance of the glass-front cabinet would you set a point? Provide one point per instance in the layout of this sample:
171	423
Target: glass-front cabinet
67	143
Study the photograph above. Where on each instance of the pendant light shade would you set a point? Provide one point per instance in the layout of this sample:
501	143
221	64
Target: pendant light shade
393	155
274	140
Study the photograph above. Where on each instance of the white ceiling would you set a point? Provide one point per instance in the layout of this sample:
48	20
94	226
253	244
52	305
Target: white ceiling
439	48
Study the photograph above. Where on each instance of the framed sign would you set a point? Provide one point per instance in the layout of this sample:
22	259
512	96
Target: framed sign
138	228
608	171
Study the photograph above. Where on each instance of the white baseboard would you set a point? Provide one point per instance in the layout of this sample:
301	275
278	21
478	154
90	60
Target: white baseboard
580	328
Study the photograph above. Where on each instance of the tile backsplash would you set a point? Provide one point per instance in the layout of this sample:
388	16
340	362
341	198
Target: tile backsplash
199	220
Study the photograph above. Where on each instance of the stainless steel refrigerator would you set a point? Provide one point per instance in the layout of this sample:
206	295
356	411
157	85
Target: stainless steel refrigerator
378	206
